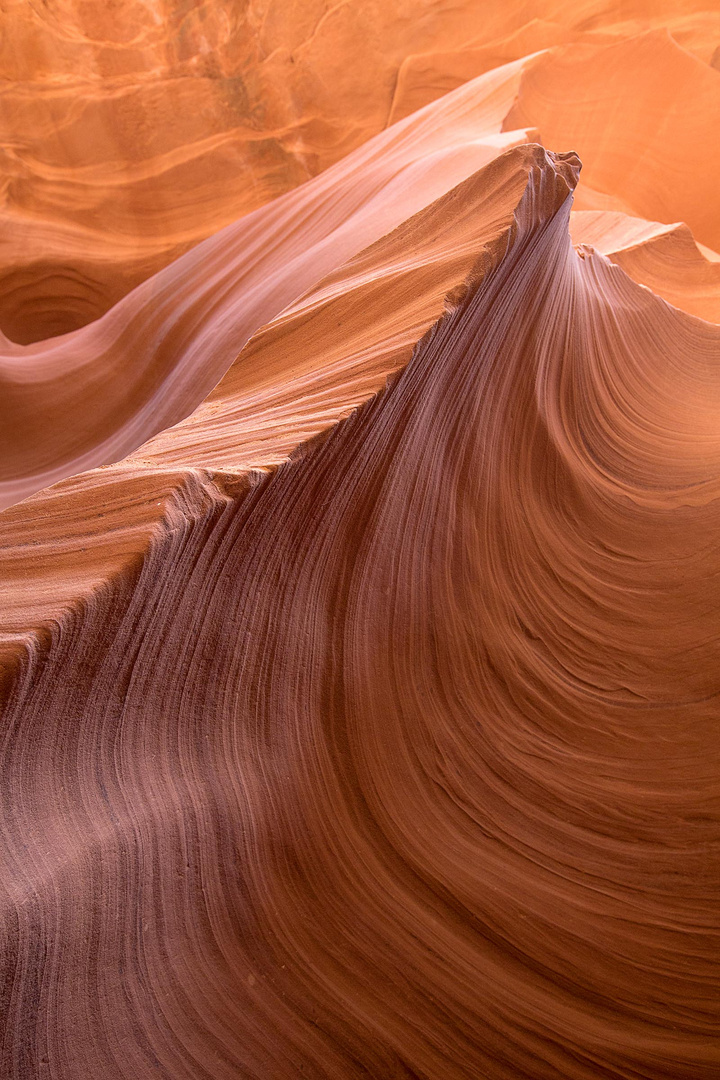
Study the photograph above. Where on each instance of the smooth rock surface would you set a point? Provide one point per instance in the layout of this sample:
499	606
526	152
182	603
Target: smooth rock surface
358	568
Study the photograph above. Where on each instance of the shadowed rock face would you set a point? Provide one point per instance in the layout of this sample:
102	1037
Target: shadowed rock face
360	697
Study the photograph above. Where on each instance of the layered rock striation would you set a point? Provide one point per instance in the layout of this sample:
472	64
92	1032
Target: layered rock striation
358	681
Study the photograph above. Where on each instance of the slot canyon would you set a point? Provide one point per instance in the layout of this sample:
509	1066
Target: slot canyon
360	540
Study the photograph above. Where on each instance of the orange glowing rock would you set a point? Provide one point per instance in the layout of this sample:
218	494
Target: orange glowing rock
358	567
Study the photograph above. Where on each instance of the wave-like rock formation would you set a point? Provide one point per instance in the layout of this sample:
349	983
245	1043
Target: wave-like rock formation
359	636
131	130
157	353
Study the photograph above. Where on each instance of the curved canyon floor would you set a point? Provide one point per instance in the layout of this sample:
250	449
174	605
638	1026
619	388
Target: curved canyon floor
360	540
